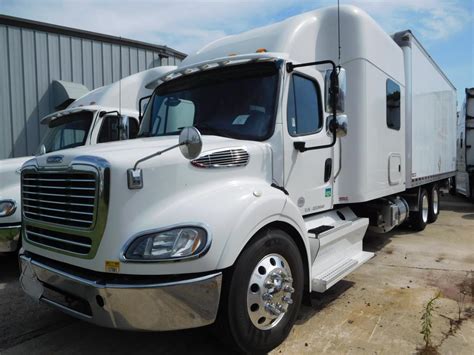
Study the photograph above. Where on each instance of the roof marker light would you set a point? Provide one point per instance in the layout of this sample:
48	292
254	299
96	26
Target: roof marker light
261	50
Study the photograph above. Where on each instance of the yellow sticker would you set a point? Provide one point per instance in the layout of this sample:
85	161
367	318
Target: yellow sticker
112	266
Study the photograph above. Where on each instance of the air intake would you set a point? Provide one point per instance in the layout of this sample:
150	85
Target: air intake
223	158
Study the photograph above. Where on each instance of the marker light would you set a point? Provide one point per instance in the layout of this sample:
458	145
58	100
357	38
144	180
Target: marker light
261	50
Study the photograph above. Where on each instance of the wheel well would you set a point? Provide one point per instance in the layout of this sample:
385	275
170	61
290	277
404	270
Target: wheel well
295	235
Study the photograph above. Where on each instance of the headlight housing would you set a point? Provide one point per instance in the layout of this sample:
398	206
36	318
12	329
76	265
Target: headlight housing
172	244
7	208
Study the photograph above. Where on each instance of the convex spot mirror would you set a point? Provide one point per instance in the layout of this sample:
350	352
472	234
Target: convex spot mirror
340	94
190	142
339	123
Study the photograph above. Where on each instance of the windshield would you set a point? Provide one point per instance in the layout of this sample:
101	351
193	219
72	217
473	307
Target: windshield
237	102
67	132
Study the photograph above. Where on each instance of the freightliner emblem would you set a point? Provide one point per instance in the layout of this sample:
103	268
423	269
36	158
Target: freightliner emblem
55	159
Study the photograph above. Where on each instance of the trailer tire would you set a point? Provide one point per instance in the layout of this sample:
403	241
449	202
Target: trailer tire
419	219
244	321
433	211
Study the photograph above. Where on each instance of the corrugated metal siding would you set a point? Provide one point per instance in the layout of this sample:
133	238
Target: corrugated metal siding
31	59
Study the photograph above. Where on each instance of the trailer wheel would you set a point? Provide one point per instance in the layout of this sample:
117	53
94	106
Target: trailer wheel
262	294
433	211
419	218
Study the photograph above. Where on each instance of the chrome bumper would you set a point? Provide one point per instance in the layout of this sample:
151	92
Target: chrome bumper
148	307
9	238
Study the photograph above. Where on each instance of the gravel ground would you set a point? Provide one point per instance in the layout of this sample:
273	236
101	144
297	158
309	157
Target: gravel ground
377	309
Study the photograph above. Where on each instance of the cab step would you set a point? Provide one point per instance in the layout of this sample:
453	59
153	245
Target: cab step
329	277
335	239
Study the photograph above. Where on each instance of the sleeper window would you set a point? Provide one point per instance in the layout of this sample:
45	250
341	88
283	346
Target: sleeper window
304	113
393	105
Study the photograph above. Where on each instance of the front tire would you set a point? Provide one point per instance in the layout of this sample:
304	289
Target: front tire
419	218
262	294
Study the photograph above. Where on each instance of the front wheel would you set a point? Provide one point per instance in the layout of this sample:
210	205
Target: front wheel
262	296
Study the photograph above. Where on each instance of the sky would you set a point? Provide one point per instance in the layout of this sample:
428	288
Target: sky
444	27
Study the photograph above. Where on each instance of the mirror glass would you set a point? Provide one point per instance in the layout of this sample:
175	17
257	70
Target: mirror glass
340	107
190	142
124	122
341	125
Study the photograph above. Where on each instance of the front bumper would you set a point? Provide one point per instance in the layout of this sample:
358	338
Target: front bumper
9	238
175	305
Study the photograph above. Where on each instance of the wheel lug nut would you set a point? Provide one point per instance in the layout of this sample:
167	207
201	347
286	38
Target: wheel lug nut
267	297
289	289
268	284
287	300
289	279
270	308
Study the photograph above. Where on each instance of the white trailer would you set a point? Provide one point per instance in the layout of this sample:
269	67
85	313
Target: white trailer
464	180
90	119
282	169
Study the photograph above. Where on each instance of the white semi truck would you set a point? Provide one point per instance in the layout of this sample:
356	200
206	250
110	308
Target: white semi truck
284	161
91	119
464	180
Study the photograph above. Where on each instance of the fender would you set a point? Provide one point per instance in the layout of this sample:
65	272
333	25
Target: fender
260	214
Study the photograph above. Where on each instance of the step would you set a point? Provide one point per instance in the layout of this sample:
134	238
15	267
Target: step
327	278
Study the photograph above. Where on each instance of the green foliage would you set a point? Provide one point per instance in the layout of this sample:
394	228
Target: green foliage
426	320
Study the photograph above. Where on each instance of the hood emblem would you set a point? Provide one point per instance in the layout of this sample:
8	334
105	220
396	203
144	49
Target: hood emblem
55	159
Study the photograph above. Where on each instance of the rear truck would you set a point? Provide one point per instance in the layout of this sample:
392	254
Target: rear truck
285	158
464	180
91	119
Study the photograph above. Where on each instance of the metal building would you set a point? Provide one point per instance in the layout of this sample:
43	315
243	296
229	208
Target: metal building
36	58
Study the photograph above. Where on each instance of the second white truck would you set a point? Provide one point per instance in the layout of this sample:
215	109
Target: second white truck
91	119
285	158
464	180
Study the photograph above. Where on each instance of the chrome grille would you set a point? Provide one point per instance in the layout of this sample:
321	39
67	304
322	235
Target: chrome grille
64	241
60	198
224	158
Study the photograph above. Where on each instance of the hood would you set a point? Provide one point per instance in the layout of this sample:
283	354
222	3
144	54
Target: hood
124	154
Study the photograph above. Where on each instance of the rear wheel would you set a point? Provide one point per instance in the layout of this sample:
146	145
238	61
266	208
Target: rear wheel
262	295
419	218
433	211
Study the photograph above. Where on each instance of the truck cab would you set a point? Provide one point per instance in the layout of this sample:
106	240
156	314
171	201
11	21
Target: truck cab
92	119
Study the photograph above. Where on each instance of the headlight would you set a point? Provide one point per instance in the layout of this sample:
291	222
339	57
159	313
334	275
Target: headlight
7	208
176	243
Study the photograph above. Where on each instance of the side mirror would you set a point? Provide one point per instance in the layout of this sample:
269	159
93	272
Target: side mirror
340	92
190	142
144	105
339	123
42	149
124	127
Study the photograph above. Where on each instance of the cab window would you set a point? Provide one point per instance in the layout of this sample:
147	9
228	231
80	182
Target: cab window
393	105
304	109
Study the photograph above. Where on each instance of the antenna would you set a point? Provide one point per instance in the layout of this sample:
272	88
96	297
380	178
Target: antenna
120	83
338	34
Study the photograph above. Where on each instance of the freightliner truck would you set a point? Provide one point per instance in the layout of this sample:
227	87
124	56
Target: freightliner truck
91	119
464	180
286	156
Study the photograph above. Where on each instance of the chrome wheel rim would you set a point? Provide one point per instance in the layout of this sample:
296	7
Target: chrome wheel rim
425	206
435	201
269	292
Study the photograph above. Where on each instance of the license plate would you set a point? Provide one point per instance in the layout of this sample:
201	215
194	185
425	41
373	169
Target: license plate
29	281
